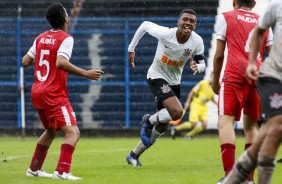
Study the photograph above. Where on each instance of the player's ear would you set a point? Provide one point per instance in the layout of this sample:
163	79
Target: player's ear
254	4
195	26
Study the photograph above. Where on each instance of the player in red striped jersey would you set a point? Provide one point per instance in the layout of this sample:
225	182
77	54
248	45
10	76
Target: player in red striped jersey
236	92
50	53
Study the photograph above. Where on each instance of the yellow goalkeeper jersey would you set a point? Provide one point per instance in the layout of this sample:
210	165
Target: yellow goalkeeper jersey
202	92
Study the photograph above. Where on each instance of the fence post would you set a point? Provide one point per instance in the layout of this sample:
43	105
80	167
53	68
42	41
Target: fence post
126	77
20	101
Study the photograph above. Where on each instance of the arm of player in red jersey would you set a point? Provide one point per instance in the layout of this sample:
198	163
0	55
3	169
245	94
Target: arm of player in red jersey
64	64
27	60
217	64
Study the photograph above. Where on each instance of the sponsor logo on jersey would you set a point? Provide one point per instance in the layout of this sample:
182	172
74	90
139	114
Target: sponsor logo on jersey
247	18
165	88
187	52
275	101
47	41
171	62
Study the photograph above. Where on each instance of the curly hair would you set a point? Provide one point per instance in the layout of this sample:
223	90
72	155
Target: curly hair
55	15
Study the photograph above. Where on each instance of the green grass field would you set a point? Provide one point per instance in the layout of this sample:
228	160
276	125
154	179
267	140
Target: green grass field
102	161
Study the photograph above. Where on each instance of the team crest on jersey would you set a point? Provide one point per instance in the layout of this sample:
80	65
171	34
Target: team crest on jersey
275	101
165	88
187	52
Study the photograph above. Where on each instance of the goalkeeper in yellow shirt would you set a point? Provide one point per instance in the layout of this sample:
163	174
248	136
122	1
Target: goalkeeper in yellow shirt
197	100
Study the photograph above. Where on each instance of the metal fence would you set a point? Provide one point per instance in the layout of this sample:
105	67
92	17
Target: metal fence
113	36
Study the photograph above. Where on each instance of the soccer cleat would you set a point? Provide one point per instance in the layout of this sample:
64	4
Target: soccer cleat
133	161
38	173
65	176
187	137
146	131
279	161
220	181
173	132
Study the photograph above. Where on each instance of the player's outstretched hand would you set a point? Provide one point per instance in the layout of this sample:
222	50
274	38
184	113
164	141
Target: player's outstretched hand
94	74
131	57
193	66
252	71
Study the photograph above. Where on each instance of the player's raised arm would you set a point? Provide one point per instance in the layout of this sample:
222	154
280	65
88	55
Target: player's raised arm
146	27
137	36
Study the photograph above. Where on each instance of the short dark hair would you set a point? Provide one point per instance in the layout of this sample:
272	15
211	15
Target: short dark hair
55	15
190	11
248	3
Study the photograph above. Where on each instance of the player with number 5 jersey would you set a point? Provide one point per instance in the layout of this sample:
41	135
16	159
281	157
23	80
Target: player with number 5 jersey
51	53
50	82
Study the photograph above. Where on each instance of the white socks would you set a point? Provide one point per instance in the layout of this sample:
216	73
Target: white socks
162	117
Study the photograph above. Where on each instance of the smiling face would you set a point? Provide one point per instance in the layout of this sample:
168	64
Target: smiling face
187	23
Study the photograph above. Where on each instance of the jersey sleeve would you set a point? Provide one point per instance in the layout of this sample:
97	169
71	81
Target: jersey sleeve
269	40
200	46
268	18
32	51
66	48
220	28
146	27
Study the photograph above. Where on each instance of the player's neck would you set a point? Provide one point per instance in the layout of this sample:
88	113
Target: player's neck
181	38
245	8
64	28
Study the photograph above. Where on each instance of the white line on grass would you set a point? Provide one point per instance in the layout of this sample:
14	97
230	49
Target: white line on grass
56	153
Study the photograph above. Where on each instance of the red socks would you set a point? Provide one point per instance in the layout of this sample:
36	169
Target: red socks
64	162
251	176
228	157
38	158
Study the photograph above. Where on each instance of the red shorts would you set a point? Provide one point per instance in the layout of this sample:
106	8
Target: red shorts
235	97
57	117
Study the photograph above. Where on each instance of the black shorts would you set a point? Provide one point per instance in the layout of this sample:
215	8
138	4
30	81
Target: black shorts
162	91
270	91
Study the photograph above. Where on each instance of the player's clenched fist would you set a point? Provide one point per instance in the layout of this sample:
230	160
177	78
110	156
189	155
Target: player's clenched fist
94	74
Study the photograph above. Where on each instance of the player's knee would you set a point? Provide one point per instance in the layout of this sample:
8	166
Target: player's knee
77	134
51	134
177	114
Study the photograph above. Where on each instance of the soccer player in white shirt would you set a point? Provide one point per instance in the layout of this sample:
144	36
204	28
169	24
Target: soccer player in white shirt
175	47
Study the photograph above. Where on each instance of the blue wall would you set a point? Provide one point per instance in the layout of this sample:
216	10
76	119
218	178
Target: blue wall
119	99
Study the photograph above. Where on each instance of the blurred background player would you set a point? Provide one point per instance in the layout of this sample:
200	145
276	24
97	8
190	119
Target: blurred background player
269	79
175	47
51	52
236	92
197	100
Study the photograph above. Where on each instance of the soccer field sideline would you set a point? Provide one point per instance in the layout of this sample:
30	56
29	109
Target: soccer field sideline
102	160
10	158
